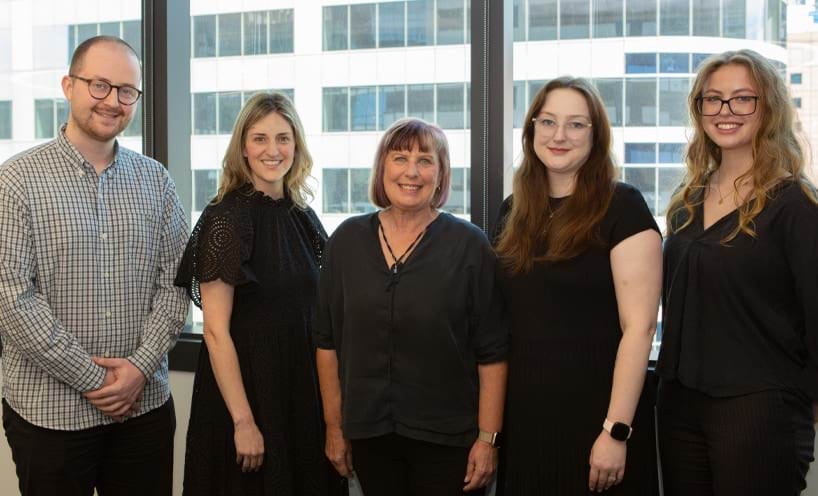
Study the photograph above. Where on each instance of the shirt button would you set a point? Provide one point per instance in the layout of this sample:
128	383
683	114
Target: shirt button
103	236
108	314
107	354
106	275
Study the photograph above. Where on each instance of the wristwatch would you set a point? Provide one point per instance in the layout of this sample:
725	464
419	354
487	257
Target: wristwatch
618	430
493	438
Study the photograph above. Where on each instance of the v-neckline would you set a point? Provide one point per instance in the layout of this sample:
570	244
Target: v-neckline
732	213
385	265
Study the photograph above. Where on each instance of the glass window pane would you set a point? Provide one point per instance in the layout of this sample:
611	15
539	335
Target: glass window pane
204	36
359	191
229	107
44	118
420	22
542	20
362	26
697	59
132	33
520	104
640	63
109	29
674	62
391	24
456	203
796	78
450	22
574	19
420	101
734	18
611	92
534	87
673	101
86	31
640	102
643	179
675	15
229	35
135	127
204	113
392	104
281	31
705	18
640	153
641	17
335	27
450	106
5	120
336	109
62	109
255	33
518	20
362	107
670	178
608	18
335	190
205	187
71	35
671	153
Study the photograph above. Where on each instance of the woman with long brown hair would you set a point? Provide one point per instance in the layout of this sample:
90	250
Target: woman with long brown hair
251	265
739	358
581	257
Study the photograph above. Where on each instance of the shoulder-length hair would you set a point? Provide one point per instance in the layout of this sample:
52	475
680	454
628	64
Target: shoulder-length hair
236	170
531	233
776	148
404	135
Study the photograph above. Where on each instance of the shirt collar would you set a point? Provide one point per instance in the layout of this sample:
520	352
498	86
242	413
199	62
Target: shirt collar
75	157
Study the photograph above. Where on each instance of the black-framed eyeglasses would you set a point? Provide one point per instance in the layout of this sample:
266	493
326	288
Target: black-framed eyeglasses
100	89
738	105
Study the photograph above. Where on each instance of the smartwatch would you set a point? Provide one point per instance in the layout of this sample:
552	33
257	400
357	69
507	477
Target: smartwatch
618	430
493	438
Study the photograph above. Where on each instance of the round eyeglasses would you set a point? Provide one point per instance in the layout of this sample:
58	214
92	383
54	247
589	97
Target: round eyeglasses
100	89
738	105
573	129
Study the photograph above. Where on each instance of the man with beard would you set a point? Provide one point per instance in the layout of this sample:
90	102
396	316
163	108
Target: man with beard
90	237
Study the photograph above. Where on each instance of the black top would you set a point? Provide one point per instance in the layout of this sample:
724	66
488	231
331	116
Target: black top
743	318
269	250
565	333
408	346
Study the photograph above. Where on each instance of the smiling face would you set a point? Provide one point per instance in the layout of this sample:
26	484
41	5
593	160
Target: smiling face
562	152
102	120
729	131
410	178
269	147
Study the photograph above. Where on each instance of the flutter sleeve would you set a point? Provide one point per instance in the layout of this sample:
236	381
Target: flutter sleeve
220	247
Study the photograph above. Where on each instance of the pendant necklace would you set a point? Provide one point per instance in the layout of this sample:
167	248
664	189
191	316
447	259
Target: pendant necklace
399	261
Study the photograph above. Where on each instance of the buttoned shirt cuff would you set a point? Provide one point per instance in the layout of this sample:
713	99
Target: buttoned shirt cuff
90	379
146	360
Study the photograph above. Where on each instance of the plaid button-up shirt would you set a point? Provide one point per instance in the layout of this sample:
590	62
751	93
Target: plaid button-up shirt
86	269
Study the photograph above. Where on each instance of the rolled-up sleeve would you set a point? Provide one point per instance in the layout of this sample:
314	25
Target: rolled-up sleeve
488	325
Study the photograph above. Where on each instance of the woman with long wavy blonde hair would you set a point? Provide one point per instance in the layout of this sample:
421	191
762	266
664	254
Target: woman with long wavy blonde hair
251	265
582	259
739	357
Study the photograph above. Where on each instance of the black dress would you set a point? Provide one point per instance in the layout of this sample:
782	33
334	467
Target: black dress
269	250
564	337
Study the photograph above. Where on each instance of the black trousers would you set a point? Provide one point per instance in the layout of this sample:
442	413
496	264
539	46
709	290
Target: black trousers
758	444
131	458
394	465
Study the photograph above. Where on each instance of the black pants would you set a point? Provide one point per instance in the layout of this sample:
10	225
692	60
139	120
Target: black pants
758	444
394	465
131	458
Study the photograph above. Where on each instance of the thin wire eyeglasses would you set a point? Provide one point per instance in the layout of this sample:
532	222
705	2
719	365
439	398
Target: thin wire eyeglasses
574	130
100	89
738	105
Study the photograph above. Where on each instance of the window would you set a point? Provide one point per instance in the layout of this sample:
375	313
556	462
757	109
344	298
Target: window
734	13
420	22
362	108
673	101
336	27
795	78
135	127
335	190
670	178
5	120
255	33
674	63
542	20
49	115
392	104
281	31
359	191
796	102
459	192
229	107
362	26
204	113
390	24
671	153
697	59
420	101
574	19
611	92
640	18
520	104
205	187
450	105
229	35
705	18
640	63
608	18
336	109
450	22
643	179
518	19
640	153
132	34
204	36
675	16
640	102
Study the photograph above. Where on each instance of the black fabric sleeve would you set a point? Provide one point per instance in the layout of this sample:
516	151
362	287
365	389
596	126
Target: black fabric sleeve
219	247
801	246
489	331
502	218
628	214
327	298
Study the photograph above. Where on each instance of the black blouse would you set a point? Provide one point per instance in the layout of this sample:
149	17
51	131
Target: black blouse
408	347
743	318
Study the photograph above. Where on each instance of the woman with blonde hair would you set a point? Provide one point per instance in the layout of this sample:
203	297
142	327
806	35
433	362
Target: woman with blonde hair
581	265
251	265
739	357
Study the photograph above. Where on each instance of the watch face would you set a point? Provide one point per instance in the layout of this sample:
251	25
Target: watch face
620	431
